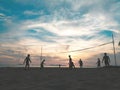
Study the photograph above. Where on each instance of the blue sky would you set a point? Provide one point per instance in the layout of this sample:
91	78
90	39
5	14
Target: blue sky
57	26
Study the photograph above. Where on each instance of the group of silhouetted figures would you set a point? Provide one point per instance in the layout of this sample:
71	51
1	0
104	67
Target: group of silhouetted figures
27	62
71	64
106	60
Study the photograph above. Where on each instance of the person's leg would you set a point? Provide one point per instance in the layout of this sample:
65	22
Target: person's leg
28	66
25	66
105	63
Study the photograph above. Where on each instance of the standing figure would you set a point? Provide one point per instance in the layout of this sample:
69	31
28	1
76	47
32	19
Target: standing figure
71	64
80	63
59	65
42	64
27	62
98	63
70	60
106	59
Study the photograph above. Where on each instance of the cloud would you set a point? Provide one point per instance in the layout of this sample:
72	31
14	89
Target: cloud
92	20
2	15
28	12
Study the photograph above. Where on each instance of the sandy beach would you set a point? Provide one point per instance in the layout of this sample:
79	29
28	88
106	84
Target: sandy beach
60	79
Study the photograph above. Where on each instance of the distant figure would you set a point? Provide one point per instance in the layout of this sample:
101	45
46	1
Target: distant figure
98	63
27	62
59	66
42	64
71	64
70	60
80	63
106	59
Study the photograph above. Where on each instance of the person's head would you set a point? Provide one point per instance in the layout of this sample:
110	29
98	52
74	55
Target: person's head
69	55
105	54
28	55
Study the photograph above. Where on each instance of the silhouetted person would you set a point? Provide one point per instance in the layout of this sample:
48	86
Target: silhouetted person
98	63
106	59
71	64
42	64
80	63
70	60
59	66
27	62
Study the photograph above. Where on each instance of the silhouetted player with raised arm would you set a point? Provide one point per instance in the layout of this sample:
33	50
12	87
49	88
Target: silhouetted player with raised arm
71	64
42	64
27	62
98	63
80	63
106	59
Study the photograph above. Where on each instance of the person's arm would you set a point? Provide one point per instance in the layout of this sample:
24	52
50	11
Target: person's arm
30	60
24	61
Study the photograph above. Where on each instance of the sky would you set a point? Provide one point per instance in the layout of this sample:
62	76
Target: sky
58	28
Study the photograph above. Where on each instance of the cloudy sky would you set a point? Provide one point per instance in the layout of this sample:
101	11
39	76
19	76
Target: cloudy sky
58	27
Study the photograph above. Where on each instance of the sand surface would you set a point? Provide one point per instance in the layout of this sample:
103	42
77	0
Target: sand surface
59	79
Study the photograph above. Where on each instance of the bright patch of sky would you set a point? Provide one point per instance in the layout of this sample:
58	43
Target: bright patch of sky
58	26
